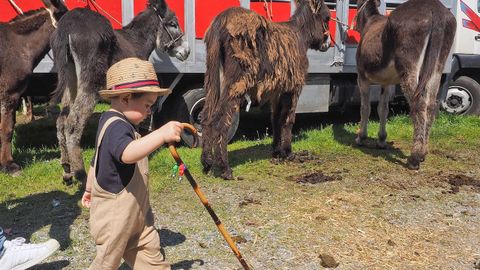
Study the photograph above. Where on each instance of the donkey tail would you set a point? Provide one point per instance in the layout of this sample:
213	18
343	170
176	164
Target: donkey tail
432	52
61	54
212	75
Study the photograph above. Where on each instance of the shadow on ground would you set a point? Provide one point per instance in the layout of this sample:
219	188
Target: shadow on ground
390	153
51	266
26	216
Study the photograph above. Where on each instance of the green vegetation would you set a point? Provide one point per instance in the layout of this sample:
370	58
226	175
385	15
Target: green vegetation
383	215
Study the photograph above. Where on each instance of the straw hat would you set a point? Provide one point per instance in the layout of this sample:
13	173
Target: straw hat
132	75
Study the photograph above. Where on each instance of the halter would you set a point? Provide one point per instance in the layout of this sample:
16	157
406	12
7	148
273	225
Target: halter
172	39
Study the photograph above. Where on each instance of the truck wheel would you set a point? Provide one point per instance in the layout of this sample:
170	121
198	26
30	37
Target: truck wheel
194	100
463	97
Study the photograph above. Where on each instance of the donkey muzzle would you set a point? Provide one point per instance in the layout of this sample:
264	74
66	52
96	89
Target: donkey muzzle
181	52
326	43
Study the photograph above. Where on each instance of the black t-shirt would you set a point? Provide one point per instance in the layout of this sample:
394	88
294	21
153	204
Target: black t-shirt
112	174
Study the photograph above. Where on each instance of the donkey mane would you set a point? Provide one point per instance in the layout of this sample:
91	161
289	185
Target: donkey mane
300	17
26	15
29	21
142	38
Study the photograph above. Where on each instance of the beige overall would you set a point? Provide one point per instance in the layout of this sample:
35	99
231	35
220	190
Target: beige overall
122	224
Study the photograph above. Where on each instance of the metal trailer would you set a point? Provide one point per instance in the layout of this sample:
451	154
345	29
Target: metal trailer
331	81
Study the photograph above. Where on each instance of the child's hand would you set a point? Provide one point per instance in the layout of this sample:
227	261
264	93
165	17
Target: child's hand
86	199
171	131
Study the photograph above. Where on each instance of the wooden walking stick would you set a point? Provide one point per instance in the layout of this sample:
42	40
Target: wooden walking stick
204	200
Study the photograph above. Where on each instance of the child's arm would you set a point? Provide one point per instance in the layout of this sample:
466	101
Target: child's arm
138	149
87	195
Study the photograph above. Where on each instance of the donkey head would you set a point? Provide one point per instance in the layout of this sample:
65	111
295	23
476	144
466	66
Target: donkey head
56	8
365	8
169	35
319	34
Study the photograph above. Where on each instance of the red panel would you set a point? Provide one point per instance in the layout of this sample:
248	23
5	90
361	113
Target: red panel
7	12
353	37
206	10
176	5
179	8
280	10
139	6
332	25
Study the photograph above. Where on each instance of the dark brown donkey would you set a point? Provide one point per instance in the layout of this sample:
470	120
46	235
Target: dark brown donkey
84	47
23	43
410	48
248	54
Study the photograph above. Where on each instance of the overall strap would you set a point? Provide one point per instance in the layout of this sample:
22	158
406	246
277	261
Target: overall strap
100	137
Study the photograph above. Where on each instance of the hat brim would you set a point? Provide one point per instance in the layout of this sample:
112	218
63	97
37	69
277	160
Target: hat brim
107	94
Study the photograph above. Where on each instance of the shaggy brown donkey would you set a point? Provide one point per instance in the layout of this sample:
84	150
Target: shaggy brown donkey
410	48
247	54
84	46
23	43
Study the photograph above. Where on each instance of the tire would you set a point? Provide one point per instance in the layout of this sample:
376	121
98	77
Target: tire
194	100
463	97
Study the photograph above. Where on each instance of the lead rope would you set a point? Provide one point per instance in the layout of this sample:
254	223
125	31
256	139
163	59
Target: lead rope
98	7
17	8
268	9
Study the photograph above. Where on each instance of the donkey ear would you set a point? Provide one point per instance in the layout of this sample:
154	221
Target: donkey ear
159	5
55	5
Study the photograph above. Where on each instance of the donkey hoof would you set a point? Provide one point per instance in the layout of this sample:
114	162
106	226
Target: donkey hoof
359	141
13	169
413	163
227	176
381	144
290	157
206	168
68	179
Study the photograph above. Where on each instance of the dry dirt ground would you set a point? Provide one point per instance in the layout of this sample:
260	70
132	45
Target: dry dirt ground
359	210
348	212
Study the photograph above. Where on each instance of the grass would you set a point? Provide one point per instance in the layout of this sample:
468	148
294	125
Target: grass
36	149
376	200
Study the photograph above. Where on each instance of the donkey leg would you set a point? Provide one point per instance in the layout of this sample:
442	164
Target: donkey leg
418	113
276	108
29	112
287	119
206	157
66	103
363	86
432	88
382	110
80	112
7	125
221	127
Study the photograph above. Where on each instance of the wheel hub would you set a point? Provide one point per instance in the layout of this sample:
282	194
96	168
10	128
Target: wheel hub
458	100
